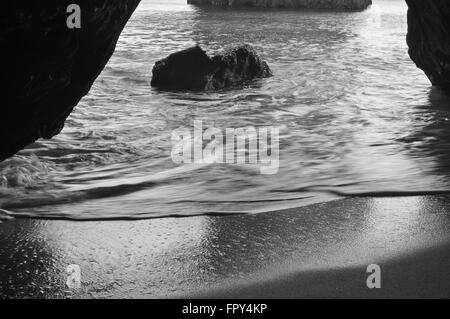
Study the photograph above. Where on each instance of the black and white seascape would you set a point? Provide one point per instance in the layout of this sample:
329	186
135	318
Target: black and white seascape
224	148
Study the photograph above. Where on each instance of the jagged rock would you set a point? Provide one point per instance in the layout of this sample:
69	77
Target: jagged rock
193	69
429	39
47	67
352	5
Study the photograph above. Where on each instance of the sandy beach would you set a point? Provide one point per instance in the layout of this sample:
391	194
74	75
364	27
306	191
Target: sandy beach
321	250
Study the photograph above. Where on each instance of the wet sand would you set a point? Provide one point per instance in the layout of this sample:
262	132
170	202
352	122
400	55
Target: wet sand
423	274
317	251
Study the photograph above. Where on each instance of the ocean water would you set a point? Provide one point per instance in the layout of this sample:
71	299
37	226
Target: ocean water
355	116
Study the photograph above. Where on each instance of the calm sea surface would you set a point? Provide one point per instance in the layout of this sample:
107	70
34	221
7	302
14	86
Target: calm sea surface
355	115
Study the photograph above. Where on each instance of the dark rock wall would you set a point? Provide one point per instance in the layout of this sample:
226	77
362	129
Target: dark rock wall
429	39
47	67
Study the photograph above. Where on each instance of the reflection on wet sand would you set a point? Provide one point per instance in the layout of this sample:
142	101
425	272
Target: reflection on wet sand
187	256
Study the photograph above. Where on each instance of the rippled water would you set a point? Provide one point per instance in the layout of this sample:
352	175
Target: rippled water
355	116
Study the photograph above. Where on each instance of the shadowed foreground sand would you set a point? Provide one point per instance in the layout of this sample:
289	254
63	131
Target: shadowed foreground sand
316	251
424	274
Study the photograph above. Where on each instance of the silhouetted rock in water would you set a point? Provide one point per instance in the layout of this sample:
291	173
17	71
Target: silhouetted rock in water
193	69
351	5
429	39
47	67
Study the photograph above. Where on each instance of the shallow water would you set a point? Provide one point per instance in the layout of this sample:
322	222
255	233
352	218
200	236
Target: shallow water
354	112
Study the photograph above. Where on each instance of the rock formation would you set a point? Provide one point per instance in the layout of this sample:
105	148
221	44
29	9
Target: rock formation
193	69
351	5
429	39
47	67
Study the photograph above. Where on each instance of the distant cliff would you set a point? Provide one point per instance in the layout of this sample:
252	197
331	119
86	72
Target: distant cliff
429	39
48	67
354	5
